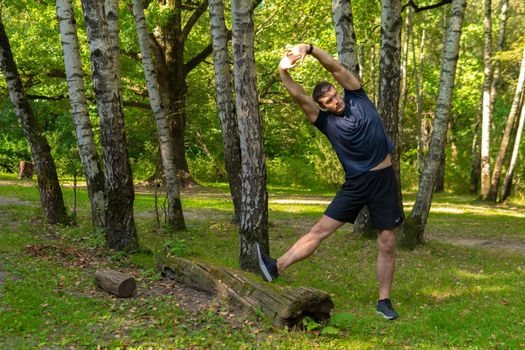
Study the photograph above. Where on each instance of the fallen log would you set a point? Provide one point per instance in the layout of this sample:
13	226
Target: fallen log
114	282
285	306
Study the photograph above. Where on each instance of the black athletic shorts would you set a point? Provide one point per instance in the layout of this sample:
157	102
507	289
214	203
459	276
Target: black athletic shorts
378	190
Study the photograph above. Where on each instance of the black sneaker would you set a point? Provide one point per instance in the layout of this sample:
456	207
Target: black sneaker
384	307
267	265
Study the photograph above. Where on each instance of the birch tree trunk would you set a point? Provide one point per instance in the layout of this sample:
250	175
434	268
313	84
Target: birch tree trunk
419	97
404	68
225	106
345	35
254	210
496	173
507	183
87	148
48	186
373	78
112	13
347	53
120	226
416	222
499	48
389	79
486	116
174	213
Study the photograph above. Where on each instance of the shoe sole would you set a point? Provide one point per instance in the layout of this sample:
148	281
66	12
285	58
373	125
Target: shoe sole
256	250
387	317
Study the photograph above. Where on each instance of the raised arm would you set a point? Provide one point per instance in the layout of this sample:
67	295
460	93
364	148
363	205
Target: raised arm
307	104
342	75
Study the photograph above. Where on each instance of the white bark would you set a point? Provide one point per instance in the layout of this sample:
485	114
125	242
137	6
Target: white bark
499	48
486	116
120	225
77	95
404	66
507	183
225	105
345	34
174	212
419	214
254	211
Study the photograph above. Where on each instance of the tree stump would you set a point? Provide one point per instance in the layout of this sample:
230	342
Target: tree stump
285	306
114	282
27	169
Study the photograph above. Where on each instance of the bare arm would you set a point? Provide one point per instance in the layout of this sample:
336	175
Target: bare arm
342	75
307	104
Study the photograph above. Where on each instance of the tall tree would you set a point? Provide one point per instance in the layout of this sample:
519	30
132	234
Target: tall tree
345	34
486	115
496	172
225	105
407	34
174	213
50	193
499	49
120	225
390	78
254	209
87	148
169	39
347	53
416	221
418	78
507	183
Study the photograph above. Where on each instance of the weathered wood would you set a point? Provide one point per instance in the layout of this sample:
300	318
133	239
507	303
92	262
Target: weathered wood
114	282
285	306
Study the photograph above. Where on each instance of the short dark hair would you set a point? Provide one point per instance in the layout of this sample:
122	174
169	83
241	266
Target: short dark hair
320	89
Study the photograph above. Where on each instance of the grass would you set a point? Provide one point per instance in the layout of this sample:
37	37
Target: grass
448	296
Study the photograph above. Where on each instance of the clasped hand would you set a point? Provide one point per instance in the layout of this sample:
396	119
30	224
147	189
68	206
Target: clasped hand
292	55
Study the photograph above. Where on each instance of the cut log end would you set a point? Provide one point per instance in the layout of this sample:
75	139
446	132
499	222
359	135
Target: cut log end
117	283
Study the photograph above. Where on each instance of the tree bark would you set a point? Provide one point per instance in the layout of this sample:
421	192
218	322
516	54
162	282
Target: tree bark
496	175
120	226
486	116
254	210
389	79
87	148
120	284
48	186
373	78
507	183
404	69
225	105
284	306
174	211
170	45
499	48
345	35
419	97
415	225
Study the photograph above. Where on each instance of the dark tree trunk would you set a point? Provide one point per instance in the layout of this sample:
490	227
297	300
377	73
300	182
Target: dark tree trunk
254	209
120	224
390	79
50	193
225	106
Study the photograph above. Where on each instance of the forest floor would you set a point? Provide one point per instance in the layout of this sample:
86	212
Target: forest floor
474	255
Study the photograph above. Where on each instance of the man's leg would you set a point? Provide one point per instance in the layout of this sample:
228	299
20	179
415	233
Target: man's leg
307	244
386	261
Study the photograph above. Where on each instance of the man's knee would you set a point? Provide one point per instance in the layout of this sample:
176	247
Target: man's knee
387	241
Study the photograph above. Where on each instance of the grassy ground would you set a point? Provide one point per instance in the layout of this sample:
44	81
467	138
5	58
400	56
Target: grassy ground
448	295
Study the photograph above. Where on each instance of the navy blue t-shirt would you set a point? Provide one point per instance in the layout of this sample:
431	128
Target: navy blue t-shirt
358	136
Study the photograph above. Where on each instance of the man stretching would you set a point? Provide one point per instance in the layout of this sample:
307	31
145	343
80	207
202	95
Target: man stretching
353	126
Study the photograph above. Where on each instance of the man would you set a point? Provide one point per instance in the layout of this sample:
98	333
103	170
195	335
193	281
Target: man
355	130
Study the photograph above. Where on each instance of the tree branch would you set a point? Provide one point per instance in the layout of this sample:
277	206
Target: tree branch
193	19
424	8
194	62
